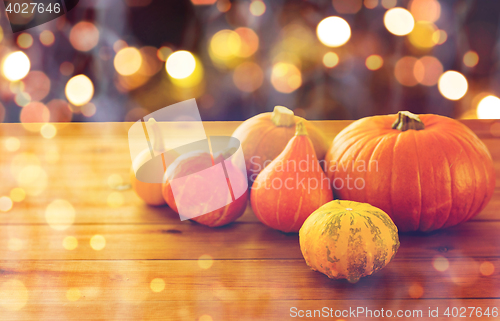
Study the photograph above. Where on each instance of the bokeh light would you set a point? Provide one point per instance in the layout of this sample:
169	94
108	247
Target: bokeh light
128	61
163	53
180	64
79	90
25	40
47	38
115	199
330	59
119	45
5	204
427	70
440	263
471	58
489	108
13	295
151	64
249	42
399	21
439	37
248	76
37	85
16	66
374	62
88	110
223	5
205	261
425	10
415	291
15	244
404	71
347	6
370	4
60	214
97	242
48	131
157	285
205	317
22	99
333	31
17	194
12	144
224	48
422	35
452	85
487	268
388	4
73	294
257	8
70	243
84	36
60	111
286	77
35	112
66	68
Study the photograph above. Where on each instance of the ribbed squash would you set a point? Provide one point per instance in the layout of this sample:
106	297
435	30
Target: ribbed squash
348	240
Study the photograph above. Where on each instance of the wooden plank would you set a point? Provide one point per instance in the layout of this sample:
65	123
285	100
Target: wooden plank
237	241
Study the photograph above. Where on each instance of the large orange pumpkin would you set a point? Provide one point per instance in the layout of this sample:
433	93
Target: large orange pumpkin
263	137
427	172
293	186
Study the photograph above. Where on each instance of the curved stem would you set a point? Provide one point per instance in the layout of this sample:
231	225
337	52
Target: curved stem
406	121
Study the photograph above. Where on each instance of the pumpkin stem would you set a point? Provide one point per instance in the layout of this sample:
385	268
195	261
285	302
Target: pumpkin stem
282	117
300	129
407	120
159	145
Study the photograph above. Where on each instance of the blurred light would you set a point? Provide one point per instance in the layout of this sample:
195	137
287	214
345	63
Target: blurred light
422	35
249	42
115	199
73	294
388	4
84	36
16	87
489	108
66	68
47	38
22	99
399	21
205	317
225	44
22	160
48	131
12	144
70	243
425	10
5	204
180	64
37	85
286	77
35	112
114	180
79	90
223	5
370	4
452	85
440	263
157	285
105	53
13	295
257	8
25	40
205	261
494	129
347	6
135	114
163	53
97	242
248	76
150	62
16	66
2	112
60	214
330	59
119	45
374	62
333	31
486	268
51	154
203	2
17	194
88	110
416	291
439	37
471	58
427	70
127	61
1	34
15	244
59	111
404	71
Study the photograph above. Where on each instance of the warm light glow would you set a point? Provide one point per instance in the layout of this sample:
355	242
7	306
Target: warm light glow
180	64
388	4
487	268
223	5
347	6
66	68
88	110
60	214
286	77
404	71
439	37
203	2
16	66
114	180
157	285
205	317
15	244
371	4
119	45
128	61
425	10
422	35
47	38
98	242
399	21
330	59
427	70
22	99
248	76
453	85
257	8
5	204
79	90
13	295
33	179
37	85
73	294
440	263
84	36
115	199
225	44
249	42
25	40
205	261
333	31
12	144
163	53
489	108
70	243
471	58
48	131
416	291
35	112
374	62
17	194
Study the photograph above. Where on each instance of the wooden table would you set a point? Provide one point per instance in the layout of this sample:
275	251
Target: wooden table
247	271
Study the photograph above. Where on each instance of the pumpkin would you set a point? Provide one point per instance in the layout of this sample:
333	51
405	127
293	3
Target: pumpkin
263	137
426	171
348	240
193	162
292	186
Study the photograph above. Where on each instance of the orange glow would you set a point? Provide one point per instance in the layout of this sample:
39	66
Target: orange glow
248	76
79	90
203	2
347	6
374	62
333	31
471	58
257	8
427	70
425	10
150	62
422	35
35	112
416	291
453	85
37	85
439	37
88	110
440	263
119	45
371	4
487	268
286	77
47	38
404	71
127	61
84	36
249	42
223	5
399	21
388	4
66	68
59	111
330	59
25	40
163	53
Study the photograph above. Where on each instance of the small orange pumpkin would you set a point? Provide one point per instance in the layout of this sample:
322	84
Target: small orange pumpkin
292	186
263	137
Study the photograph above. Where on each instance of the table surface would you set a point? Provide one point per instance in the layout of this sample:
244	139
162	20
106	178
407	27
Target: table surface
247	271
